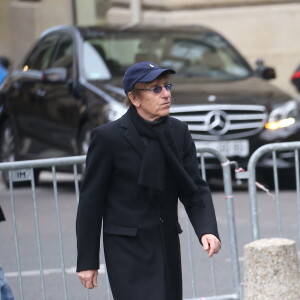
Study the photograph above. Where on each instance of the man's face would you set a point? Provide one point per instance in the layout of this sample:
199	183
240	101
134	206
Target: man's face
149	105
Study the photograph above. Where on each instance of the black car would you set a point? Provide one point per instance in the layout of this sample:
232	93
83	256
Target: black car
71	81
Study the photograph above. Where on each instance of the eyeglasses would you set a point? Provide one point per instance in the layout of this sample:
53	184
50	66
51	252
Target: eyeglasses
158	89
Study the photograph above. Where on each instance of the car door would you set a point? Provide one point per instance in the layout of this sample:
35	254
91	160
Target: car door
62	104
26	107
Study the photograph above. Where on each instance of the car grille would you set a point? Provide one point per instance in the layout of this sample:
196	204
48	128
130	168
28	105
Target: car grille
221	122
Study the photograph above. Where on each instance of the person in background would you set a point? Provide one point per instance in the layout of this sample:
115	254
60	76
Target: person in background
5	291
4	66
136	169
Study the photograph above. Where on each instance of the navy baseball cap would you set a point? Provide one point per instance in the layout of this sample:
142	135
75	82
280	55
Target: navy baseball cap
145	71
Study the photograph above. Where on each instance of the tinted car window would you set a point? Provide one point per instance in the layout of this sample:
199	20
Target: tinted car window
63	57
207	56
41	56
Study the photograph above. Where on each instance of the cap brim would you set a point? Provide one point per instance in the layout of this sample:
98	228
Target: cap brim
154	74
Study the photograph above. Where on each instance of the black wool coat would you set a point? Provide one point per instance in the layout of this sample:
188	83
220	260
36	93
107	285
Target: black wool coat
141	242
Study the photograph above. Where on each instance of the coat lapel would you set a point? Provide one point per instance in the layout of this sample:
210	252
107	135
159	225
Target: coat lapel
132	135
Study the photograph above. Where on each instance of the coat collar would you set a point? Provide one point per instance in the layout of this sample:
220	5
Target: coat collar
132	135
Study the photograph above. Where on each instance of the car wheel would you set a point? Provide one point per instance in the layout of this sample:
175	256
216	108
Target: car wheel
7	148
8	152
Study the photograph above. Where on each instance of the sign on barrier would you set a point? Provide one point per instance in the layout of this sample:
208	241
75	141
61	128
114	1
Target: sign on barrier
22	175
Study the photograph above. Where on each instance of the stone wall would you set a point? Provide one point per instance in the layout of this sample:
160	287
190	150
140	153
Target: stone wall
28	19
5	34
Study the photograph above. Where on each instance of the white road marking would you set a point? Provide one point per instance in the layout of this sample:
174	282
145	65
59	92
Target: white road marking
71	270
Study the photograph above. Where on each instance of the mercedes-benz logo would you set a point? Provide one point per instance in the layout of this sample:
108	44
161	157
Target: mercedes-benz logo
217	122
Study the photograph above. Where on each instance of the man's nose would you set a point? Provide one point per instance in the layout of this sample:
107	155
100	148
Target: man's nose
165	92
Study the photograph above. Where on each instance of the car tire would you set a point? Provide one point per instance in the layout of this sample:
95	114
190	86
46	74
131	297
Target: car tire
8	152
7	148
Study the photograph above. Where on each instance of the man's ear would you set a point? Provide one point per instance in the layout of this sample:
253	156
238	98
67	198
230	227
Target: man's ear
134	99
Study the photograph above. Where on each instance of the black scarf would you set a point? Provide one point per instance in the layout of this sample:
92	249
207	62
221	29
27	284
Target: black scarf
160	151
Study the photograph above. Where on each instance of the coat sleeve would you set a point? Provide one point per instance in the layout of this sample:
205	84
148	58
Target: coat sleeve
203	218
93	194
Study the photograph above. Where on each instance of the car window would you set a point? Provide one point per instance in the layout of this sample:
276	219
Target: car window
198	58
40	57
207	56
63	57
94	66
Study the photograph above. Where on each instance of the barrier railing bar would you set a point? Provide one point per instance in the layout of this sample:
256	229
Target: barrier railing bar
38	236
277	198
226	168
39	163
190	251
297	170
223	297
232	227
76	184
212	261
58	218
213	275
15	233
202	160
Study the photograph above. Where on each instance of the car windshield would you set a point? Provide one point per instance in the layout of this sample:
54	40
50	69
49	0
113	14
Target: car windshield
206	56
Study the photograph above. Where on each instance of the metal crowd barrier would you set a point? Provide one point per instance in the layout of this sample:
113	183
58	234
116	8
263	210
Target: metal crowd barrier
274	148
228	194
23	171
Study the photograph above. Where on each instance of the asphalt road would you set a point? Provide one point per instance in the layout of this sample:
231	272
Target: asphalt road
197	264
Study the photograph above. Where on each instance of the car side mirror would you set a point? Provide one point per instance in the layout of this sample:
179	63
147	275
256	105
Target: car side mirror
263	71
55	75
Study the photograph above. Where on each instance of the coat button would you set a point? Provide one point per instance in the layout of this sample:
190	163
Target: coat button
161	220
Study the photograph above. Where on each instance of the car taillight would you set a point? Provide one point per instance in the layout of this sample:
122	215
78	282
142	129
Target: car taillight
296	75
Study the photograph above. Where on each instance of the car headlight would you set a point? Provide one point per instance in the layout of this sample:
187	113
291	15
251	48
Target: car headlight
282	116
115	111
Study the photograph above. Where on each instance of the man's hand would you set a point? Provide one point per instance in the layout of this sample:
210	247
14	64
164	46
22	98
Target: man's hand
211	244
88	278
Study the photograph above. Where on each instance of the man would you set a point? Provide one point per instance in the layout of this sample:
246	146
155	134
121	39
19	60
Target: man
136	169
